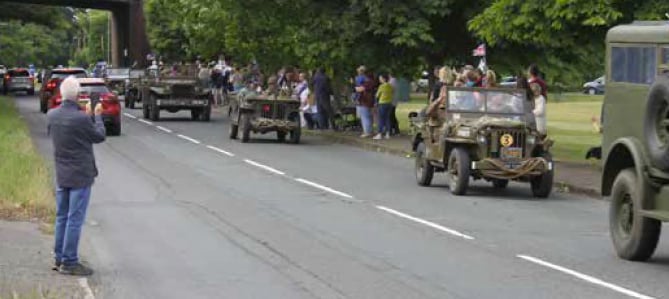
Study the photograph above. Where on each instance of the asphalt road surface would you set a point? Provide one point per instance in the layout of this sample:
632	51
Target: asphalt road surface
181	211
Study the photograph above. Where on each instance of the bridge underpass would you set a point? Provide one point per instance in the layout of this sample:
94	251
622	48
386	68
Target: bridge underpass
129	42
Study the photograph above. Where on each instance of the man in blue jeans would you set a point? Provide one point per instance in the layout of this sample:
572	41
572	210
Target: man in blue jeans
73	134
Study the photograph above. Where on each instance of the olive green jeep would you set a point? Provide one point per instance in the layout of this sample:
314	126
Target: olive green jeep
635	140
483	134
253	113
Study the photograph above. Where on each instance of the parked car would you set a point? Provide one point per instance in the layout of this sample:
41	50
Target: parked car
508	82
51	82
595	87
111	108
18	80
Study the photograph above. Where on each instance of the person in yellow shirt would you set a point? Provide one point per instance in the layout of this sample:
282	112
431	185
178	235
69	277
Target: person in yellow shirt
384	95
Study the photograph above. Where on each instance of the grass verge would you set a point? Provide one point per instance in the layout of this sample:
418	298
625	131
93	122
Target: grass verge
569	122
26	189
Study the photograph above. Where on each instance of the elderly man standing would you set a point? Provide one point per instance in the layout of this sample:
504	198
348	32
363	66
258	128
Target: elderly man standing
73	134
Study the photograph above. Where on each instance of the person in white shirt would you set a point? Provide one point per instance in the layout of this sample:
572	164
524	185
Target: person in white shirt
539	108
308	110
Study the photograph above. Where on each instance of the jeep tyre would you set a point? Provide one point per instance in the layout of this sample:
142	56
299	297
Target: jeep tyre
31	92
114	130
634	237
205	114
145	111
500	184
656	123
154	111
195	114
542	185
281	136
245	123
424	170
458	171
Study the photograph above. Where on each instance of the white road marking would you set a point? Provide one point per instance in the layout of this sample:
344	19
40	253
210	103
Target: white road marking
324	188
164	129
184	137
146	122
130	115
229	154
265	167
88	293
425	222
585	277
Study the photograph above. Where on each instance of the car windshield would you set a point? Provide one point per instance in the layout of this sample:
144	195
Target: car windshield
486	101
63	75
117	72
17	73
136	73
93	88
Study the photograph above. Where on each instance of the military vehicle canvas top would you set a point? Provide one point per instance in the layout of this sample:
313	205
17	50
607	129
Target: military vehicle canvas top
483	134
252	112
635	140
175	91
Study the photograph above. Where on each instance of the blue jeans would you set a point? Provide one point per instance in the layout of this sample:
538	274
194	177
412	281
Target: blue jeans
366	118
384	118
71	205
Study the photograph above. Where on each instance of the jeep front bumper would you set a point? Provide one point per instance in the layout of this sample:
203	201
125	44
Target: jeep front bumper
509	170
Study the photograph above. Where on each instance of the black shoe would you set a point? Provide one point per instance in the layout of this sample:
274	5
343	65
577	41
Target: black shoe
56	266
77	270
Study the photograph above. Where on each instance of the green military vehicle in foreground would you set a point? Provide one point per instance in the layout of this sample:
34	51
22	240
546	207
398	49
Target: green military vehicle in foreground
635	142
253	113
132	87
483	134
181	91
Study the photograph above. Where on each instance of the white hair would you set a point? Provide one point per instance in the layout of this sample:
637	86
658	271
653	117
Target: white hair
69	89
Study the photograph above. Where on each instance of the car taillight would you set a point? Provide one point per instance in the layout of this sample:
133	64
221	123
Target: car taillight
7	77
266	108
52	84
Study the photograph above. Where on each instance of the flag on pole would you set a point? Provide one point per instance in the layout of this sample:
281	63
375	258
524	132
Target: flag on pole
479	51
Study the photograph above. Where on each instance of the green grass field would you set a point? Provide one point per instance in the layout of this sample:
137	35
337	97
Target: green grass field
25	185
569	122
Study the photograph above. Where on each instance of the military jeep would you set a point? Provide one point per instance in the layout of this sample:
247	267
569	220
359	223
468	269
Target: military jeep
635	140
483	134
174	93
253	113
132	87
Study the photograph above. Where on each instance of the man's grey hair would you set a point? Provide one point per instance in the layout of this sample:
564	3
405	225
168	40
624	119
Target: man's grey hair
69	89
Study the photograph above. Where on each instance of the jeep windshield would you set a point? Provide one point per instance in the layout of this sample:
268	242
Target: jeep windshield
118	72
486	101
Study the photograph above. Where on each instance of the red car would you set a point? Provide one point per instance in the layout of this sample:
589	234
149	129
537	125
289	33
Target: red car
111	108
51	82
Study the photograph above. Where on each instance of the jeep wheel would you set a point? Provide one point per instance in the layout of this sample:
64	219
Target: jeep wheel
31	92
245	122
656	123
424	170
145	111
295	135
500	184
195	114
458	171
281	136
114	130
634	236
205	114
543	185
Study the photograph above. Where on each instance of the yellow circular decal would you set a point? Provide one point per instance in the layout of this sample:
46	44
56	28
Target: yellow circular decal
506	140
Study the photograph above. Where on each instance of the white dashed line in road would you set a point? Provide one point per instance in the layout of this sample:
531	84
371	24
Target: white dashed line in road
265	167
145	121
184	137
324	188
88	293
585	277
425	222
130	115
213	148
166	130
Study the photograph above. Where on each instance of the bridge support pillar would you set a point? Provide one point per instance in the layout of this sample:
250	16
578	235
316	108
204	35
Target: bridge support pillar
129	42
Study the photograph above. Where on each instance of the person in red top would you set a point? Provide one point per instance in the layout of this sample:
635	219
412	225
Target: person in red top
535	77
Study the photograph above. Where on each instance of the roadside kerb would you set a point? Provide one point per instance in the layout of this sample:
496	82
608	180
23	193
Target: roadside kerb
563	183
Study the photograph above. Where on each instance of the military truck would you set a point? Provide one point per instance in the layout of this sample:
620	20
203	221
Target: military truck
116	79
635	140
483	134
253	113
132	87
163	91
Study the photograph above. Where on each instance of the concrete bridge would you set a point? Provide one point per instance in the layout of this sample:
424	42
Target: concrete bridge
129	42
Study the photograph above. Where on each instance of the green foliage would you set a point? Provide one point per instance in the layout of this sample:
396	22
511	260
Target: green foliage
92	37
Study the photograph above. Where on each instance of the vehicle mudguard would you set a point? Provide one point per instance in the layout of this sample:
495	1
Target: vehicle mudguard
626	152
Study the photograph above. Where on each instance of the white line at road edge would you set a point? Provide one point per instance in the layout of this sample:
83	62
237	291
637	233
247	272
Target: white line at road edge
164	129
425	222
145	121
265	167
324	188
229	154
88	293
130	115
189	139
587	278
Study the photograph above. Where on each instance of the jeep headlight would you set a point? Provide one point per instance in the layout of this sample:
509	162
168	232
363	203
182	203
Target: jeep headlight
464	132
531	139
482	139
127	81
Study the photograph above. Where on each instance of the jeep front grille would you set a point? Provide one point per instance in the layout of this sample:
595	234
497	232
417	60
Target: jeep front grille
495	141
274	111
183	90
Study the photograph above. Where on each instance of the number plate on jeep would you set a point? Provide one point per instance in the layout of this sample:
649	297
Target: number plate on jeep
511	153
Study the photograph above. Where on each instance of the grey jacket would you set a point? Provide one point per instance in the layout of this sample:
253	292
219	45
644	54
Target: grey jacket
73	134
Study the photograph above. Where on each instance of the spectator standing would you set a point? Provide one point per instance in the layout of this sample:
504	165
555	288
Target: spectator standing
73	135
401	94
490	79
237	79
322	94
307	108
534	74
365	102
539	110
384	95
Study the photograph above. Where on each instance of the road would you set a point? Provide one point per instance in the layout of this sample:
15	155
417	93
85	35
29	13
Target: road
181	211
